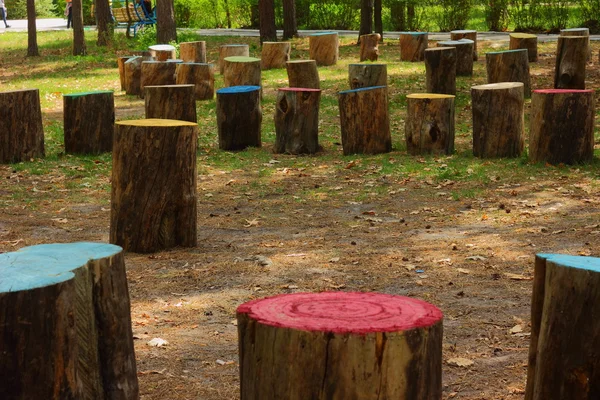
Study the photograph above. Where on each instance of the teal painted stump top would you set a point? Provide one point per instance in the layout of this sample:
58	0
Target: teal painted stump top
362	89
323	33
587	263
238	89
48	264
87	93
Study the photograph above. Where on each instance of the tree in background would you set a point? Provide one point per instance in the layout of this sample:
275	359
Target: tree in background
32	47
366	18
404	16
268	31
378	21
166	30
290	26
451	14
496	15
79	48
590	12
104	22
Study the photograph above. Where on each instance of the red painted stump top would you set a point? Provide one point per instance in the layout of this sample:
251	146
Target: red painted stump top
559	91
342	312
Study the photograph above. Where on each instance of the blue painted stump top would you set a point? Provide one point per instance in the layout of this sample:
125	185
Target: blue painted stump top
48	264
506	51
323	33
238	89
587	263
87	93
363	89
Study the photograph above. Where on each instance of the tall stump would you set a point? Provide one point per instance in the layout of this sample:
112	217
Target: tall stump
65	324
275	54
464	51
571	58
202	76
133	74
562	126
413	45
242	71
525	41
340	346
89	120
429	124
364	120
440	70
498	121
153	197
163	52
585	32
21	129
239	116
193	52
303	74
323	47
367	75
297	121
466	34
171	102
121	65
565	330
509	66
369	47
232	50
155	73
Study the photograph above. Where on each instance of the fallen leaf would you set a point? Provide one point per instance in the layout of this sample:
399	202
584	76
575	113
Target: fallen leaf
516	329
334	259
463	271
157	342
250	223
296	255
60	220
475	258
460	362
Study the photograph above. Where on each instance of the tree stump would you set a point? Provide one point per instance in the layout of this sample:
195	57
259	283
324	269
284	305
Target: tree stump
323	47
498	124
242	71
275	54
466	34
21	129
297	121
232	50
413	45
571	57
562	126
153	197
367	75
163	52
303	74
89	120
65	324
509	66
464	60
525	41
171	102
339	346
121	65
193	52
155	73
440	70
364	120
565	336
239	116
133	74
585	32
202	76
429	124
369	47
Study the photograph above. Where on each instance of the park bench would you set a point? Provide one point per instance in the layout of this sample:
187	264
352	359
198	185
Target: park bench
133	16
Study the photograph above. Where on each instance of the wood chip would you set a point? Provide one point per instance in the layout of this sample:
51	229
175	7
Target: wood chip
460	362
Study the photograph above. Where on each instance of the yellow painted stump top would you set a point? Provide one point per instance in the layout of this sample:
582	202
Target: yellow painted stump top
156	122
429	96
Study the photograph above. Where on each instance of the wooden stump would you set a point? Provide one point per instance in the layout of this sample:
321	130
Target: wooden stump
429	124
21	129
367	75
232	50
571	56
65	324
440	70
163	52
156	73
413	45
133	75
193	52
275	54
565	335
153	197
303	74
364	120
369	47
466	34
89	120
562	126
464	60
171	102
297	121
242	71
498	124
509	66
339	346
525	41
324	48
239	116
202	76
585	32
121	65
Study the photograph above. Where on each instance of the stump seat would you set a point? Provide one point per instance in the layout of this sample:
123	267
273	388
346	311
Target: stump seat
440	70
509	66
163	52
232	50
464	51
571	60
526	41
241	71
429	126
367	75
585	32
303	74
413	45
170	102
275	54
193	52
297	121
157	73
201	75
466	34
239	117
369	47
323	47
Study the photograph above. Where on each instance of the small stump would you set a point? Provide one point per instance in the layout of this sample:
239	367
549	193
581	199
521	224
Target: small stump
338	345
275	54
562	126
193	52
65	323
133	74
163	52
464	59
303	74
466	34
153	197
156	73
509	66
171	102
585	32
232	50
429	124
413	45
21	129
297	121
364	120
121	65
571	58
367	75
369	47
565	338
242	71
525	41
498	125
324	48
239	116
440	70
89	120
202	76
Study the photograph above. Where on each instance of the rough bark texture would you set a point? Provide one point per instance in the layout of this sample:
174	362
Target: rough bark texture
193	52
466	34
377	18
239	116
79	47
232	50
440	70
162	52
509	66
364	121
275	54
297	121
32	46
464	59
498	121
166	29
132	70
366	18
21	129
121	64
430	124
579	32
153	197
104	23
241	71
267	29
324	48
564	359
525	41
77	342
155	73
303	74
89	120
202	76
171	102
366	75
369	47
562	126
413	45
290	25
571	58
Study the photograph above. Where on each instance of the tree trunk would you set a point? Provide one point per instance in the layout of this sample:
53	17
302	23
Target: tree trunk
367	75
466	34
509	66
153	197
297	121
525	41
377	18
366	18
171	102
340	346
303	74
413	45
290	26
166	30
227	14
464	55
202	76
369	47
32	47
430	124
65	324
242	71
79	47
232	50
275	54
571	58
324	48
163	52
239	117
104	22
193	52
398	15
440	70
121	65
579	32
156	73
268	31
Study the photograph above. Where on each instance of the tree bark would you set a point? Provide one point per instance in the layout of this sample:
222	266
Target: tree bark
430	124
133	75
171	102
366	18
32	46
324	48
156	73
440	70
571	58
275	54
367	75
232	50
79	47
239	117
121	65
525	41
464	55
377	18
202	76
466	34
398	15
193	52
509	66
297	121
369	47
303	74
166	29
104	23
413	45
290	25
579	32
268	31
241	71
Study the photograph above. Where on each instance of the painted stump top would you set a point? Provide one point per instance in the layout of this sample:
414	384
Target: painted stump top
506	52
363	89
579	30
587	263
238	89
562	91
156	122
295	89
414	33
323	33
234	45
161	47
498	86
342	312
81	94
429	96
48	264
455	42
242	59
462	31
519	35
